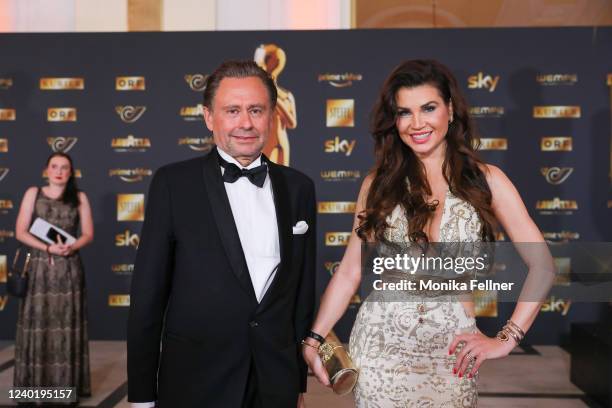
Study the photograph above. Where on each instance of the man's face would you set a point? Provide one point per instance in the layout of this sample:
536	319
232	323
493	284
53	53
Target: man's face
240	118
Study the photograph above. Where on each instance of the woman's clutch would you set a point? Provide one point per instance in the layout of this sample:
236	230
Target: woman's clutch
338	364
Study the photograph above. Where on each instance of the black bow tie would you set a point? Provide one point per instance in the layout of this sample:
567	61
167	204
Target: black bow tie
256	175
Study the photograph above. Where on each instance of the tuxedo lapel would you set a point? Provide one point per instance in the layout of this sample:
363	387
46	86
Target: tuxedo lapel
285	233
226	226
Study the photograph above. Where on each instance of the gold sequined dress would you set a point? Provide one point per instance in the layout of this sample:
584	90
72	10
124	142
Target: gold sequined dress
401	347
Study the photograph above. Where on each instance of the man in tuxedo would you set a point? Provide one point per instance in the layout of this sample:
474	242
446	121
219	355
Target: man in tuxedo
223	285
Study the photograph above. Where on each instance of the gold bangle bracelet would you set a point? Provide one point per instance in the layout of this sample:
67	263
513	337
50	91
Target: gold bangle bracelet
516	327
309	345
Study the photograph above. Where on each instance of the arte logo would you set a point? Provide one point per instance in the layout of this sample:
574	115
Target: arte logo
3	172
562	236
6	83
8	115
337	238
336	207
492	143
198	144
130	114
555	305
62	84
3	145
119	300
122	269
340	113
127	239
556	206
340	175
553	112
3	302
130	175
485	303
340	80
62	144
556	175
77	173
6	234
557	79
61	115
336	145
487	111
130	144
482	81
130	83
197	82
193	113
3	269
556	144
130	207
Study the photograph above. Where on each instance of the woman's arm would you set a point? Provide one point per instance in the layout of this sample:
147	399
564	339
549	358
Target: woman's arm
24	220
339	291
87	226
510	211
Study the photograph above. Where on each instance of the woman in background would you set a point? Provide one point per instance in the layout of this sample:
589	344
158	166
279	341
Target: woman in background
51	345
427	185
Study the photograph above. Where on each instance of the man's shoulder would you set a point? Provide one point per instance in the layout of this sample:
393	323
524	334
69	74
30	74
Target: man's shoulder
294	176
180	168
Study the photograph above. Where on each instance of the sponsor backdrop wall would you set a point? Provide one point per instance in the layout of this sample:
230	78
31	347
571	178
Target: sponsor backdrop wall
124	104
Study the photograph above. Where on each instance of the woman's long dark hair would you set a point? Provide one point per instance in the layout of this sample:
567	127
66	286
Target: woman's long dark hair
396	162
71	192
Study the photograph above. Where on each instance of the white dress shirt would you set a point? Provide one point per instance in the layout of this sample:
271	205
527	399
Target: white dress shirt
255	218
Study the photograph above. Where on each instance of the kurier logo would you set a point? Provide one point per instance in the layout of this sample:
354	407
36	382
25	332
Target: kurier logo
199	144
130	114
3	269
340	175
197	82
485	303
552	304
553	112
556	175
6	234
8	115
77	173
340	113
336	145
62	144
340	80
61	115
119	300
556	144
130	144
492	143
130	83
3	145
5	206
557	79
126	239
130	175
337	238
61	84
487	111
122	269
556	206
130	207
6	83
336	207
482	81
193	113
3	172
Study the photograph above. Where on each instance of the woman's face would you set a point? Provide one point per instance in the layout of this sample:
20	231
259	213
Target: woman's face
58	171
422	119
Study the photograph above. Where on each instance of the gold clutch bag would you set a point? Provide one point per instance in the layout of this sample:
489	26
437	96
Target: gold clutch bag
338	364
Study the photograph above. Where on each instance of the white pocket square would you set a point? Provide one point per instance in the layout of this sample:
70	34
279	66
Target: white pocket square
300	228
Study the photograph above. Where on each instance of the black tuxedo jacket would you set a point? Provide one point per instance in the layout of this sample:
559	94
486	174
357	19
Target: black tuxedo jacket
195	326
